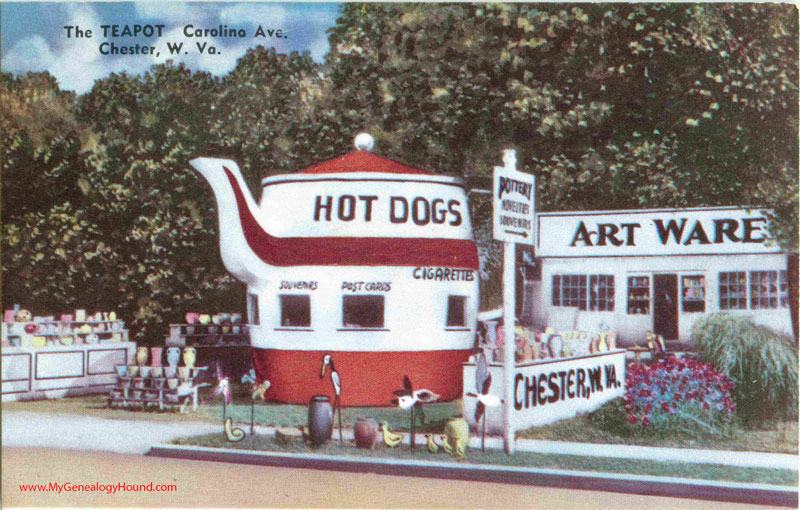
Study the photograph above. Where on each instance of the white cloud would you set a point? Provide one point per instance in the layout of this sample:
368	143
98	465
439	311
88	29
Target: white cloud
319	47
169	12
30	54
254	14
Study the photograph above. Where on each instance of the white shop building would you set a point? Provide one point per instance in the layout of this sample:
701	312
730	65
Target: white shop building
659	270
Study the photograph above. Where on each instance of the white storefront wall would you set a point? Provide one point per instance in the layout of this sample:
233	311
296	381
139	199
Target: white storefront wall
629	244
632	327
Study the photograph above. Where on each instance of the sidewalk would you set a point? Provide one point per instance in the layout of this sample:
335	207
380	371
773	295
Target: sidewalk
135	436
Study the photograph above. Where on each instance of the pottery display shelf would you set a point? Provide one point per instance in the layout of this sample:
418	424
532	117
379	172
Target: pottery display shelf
49	334
147	391
199	335
56	371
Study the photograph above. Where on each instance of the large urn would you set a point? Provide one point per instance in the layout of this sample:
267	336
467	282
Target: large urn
320	419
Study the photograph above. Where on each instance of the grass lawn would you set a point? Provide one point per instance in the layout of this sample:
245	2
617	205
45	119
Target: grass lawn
524	459
782	439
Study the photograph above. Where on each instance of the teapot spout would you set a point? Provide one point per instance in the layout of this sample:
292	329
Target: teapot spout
238	219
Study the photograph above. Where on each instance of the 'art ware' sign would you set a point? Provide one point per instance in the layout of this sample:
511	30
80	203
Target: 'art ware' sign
710	231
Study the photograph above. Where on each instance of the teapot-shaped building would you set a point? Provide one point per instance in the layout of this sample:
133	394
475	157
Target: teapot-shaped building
360	257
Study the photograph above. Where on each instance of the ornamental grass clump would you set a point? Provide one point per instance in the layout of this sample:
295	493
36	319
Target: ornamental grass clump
678	396
762	362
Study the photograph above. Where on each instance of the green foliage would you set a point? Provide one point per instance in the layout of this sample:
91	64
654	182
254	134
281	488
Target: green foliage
609	105
761	362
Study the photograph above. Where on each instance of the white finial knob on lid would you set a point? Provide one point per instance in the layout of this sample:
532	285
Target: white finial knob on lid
364	142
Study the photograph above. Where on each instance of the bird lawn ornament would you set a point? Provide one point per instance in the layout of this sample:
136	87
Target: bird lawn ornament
259	391
327	360
408	398
483	381
390	439
249	377
223	387
432	446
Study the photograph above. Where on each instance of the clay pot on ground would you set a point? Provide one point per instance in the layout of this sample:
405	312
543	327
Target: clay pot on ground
366	433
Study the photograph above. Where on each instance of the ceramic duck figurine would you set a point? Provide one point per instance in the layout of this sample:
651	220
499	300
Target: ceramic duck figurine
391	439
432	446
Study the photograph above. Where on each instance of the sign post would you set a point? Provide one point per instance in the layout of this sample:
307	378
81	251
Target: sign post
513	212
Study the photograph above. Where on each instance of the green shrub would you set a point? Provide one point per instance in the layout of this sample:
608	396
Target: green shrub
761	362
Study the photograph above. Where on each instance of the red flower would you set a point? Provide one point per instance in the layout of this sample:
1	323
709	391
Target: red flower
665	407
645	421
632	419
648	408
677	397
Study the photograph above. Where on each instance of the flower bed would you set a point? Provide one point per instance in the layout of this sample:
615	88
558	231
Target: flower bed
680	396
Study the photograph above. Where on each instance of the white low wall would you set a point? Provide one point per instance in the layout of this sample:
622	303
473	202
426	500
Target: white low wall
55	372
548	391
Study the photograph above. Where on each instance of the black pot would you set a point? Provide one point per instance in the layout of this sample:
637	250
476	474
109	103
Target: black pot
320	419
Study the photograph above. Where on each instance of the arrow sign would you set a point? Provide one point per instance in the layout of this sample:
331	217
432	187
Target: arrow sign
514	196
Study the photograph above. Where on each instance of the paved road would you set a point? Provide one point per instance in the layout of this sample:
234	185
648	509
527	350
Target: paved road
89	433
211	484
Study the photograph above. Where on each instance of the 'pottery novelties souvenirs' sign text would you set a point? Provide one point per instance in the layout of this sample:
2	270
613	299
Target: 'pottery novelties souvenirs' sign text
653	232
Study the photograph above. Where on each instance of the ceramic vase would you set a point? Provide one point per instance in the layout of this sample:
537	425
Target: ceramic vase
189	355
155	356
366	433
457	429
141	356
173	356
320	419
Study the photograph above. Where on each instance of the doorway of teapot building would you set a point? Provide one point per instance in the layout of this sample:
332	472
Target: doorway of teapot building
665	305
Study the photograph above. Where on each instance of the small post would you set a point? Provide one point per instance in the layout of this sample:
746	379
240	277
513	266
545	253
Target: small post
252	415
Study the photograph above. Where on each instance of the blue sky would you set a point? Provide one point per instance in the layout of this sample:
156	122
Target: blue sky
34	38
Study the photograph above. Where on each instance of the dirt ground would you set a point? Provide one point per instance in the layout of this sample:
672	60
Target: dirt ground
211	484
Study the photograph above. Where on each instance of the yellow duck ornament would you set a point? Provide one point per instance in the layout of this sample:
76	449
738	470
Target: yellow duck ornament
391	439
456	450
432	446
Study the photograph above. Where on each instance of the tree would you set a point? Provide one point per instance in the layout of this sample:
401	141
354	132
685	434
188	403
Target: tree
609	105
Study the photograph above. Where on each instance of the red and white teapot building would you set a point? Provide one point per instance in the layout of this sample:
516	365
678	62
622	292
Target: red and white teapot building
360	257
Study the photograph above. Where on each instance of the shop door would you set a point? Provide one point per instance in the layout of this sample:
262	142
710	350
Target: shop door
665	305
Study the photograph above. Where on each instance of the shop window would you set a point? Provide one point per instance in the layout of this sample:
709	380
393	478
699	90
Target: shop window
252	310
769	289
569	290
638	295
362	311
693	293
295	311
602	292
733	290
456	315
